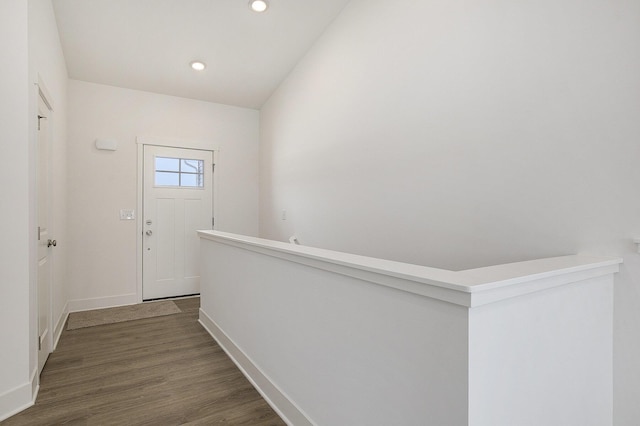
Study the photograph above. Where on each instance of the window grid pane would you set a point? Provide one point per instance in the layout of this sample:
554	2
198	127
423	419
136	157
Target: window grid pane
167	179
179	172
189	180
167	164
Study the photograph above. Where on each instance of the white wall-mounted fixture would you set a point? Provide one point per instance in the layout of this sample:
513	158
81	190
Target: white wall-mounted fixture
258	5
107	144
127	214
198	65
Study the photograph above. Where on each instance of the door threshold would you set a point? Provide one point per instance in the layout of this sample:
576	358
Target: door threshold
186	296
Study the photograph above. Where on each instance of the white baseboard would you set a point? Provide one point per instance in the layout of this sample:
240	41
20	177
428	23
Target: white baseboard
20	398
57	331
286	409
35	384
78	305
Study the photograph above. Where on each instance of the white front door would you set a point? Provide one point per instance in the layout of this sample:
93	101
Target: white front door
45	244
177	201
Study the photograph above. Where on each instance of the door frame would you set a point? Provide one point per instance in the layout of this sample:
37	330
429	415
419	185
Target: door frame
141	141
51	337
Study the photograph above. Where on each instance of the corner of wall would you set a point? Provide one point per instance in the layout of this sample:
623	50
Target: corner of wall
20	398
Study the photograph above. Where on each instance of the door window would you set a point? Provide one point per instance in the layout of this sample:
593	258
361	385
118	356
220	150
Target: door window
179	172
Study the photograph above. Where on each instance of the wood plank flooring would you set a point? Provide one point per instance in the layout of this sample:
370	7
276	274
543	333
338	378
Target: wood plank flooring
155	371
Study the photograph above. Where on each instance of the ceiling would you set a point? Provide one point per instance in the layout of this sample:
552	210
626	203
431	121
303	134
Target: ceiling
149	44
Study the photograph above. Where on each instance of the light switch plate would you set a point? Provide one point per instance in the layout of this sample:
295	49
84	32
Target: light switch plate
126	214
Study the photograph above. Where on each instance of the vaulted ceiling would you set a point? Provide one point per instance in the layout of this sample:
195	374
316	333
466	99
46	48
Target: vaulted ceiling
149	44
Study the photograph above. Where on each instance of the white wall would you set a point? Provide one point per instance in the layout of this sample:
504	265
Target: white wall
458	134
31	50
15	283
102	249
544	358
342	350
337	339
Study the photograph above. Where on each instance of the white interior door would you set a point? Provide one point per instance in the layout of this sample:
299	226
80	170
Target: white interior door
45	244
177	201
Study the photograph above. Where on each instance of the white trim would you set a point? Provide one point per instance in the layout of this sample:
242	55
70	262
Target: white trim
78	305
19	398
44	95
60	326
44	92
275	397
35	384
470	288
176	143
215	177
140	221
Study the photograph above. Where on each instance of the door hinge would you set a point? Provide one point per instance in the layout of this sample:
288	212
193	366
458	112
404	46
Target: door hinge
38	233
213	167
40	117
39	343
213	222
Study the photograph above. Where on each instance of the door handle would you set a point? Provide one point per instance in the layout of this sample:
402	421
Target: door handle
149	232
52	243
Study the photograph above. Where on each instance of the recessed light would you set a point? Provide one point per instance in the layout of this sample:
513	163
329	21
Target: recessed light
198	66
258	5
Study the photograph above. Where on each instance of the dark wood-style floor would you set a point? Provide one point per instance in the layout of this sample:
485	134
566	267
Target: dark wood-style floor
156	371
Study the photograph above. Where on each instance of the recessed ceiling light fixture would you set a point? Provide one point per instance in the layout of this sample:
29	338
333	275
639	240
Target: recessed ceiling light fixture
258	5
198	65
